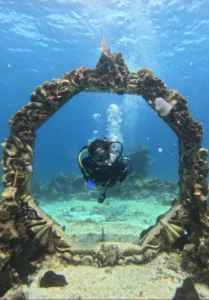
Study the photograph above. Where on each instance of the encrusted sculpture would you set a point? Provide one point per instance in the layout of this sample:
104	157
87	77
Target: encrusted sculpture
21	219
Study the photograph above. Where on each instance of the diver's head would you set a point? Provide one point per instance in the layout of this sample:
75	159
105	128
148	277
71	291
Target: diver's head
99	150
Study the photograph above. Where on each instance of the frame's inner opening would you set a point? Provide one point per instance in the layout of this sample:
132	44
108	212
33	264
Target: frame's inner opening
130	207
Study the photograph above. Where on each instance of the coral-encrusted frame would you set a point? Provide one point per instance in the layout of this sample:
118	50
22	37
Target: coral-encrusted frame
22	220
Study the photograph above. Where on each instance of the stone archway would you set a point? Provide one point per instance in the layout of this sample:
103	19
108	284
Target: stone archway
20	217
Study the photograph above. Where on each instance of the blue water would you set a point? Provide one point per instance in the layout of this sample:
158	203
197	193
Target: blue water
40	40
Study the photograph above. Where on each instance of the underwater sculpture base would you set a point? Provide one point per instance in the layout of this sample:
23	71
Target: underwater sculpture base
159	278
23	223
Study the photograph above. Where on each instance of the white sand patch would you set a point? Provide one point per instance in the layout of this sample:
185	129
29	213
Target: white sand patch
119	220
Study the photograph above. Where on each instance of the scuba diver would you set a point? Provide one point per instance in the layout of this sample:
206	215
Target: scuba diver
102	166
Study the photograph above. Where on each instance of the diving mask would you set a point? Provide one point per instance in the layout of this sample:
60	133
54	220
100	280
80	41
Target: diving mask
101	155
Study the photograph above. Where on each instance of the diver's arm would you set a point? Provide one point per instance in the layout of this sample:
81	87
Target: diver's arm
85	168
85	175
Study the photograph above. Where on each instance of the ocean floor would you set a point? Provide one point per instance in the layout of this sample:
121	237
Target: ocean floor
155	280
90	222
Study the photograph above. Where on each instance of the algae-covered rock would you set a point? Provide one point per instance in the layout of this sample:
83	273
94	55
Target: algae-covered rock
51	279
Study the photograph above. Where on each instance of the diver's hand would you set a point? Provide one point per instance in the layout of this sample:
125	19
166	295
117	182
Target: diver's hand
102	198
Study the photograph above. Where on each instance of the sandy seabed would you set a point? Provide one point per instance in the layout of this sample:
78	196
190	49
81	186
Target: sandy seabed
155	280
121	221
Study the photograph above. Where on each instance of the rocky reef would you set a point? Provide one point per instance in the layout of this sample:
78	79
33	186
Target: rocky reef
58	188
65	187
141	160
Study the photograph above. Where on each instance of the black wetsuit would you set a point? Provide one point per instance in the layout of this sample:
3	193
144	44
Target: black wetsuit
105	175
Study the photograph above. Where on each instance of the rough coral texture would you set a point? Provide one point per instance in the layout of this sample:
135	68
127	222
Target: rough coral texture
109	255
110	75
8	234
4	216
